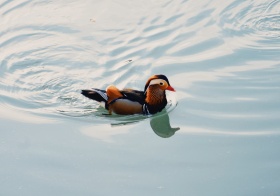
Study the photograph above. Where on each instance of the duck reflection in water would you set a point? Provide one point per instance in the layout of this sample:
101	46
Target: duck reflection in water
160	124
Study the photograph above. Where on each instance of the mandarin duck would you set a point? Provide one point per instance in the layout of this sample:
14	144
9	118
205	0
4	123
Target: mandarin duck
130	101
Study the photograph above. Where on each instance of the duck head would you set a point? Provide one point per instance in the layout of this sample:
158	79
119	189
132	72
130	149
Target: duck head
155	97
158	82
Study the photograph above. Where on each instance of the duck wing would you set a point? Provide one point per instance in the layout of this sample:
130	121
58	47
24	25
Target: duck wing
134	95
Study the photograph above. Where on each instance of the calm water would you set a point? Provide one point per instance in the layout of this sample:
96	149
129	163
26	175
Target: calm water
219	136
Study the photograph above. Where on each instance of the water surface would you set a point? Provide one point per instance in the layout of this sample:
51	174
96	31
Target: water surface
218	136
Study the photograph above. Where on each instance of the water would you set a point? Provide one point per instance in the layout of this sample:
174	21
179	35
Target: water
218	136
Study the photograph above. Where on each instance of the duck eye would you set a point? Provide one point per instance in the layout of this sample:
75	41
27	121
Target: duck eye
161	83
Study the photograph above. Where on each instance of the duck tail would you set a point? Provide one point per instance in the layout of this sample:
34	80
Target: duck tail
96	94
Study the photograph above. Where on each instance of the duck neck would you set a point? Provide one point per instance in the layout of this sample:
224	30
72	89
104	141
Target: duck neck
155	99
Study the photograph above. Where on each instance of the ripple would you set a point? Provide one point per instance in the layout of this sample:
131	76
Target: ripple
253	23
269	25
14	7
40	72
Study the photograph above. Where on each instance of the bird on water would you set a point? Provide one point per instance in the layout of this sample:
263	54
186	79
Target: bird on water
130	101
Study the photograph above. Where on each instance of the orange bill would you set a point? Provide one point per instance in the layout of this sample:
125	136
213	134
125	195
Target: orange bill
170	88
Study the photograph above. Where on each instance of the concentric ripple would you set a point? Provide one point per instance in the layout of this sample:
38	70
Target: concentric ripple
39	65
269	25
254	23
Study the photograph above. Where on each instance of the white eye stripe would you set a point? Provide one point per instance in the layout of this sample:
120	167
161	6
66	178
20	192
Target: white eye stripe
157	81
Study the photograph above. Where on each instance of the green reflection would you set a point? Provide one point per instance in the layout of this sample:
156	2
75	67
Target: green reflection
159	123
161	126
